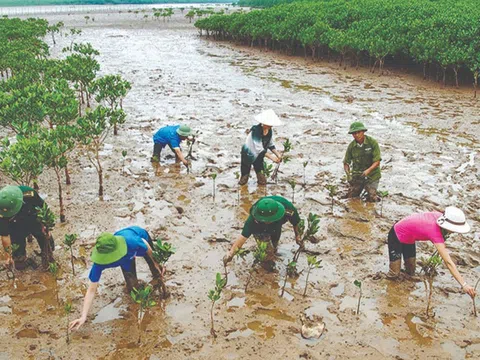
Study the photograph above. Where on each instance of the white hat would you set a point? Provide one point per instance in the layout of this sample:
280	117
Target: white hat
268	117
453	219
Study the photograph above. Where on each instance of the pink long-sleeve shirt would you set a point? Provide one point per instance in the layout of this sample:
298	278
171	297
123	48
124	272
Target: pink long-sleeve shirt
419	227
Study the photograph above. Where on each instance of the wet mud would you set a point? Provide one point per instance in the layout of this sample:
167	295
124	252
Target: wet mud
429	142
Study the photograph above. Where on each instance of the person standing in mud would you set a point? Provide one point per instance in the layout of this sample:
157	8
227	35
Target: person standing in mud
113	250
258	142
172	136
18	220
433	226
363	154
265	222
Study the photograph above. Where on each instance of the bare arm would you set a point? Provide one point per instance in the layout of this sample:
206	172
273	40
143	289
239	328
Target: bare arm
274	158
87	303
236	245
6	242
371	168
443	252
277	153
150	255
346	167
180	156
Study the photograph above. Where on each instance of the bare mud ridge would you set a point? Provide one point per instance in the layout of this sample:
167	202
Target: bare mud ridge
429	143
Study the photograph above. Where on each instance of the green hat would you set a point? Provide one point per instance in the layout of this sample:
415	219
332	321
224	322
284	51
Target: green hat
357	126
108	249
11	201
267	210
184	130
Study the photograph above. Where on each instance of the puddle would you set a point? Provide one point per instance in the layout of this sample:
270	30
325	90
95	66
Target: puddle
274	313
110	312
261	330
417	330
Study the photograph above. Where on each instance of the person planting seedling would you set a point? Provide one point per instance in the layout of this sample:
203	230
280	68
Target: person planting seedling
215	295
433	226
259	141
172	136
118	250
266	218
429	269
312	264
142	297
363	155
161	252
69	241
18	220
287	147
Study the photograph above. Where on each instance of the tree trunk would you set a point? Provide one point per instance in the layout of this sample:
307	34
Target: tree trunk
67	176
444	76
60	195
424	70
100	174
455	70
306	283
475	83
115	130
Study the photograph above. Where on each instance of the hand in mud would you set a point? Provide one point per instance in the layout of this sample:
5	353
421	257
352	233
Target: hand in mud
76	324
277	159
186	163
10	265
226	259
470	291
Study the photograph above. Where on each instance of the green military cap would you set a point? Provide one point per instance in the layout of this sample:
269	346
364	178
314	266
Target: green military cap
184	130
268	210
11	201
357	126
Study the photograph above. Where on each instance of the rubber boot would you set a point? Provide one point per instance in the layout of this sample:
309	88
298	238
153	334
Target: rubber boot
243	180
394	271
410	265
261	179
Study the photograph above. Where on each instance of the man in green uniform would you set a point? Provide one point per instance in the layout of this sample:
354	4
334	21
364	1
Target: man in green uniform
266	218
18	220
363	154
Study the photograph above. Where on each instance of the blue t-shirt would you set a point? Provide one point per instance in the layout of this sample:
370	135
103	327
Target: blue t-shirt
134	237
168	136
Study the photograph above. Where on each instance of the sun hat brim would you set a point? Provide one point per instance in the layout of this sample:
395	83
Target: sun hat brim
275	217
184	133
269	118
457	228
357	130
117	254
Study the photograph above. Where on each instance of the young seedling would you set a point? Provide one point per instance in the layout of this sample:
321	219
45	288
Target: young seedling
312	229
214	295
53	269
290	271
267	171
305	164
237	176
382	195
124	155
67	308
259	256
287	147
430	270
161	252
213	176
69	241
332	192
358	284
10	250
292	184
312	264
47	219
473	299
142	297
190	143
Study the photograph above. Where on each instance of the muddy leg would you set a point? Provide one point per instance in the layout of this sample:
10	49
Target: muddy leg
355	188
157	150
395	250
371	189
131	276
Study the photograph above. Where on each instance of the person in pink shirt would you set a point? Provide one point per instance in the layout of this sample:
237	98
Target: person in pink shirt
427	226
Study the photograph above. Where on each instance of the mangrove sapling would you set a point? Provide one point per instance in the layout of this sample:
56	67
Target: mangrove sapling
47	218
142	297
259	256
237	176
161	252
305	164
312	264
332	192
213	176
214	295
430	270
292	184
473	299
69	241
312	229
67	308
190	142
124	155
10	250
287	147
291	270
267	171
358	284
53	269
382	195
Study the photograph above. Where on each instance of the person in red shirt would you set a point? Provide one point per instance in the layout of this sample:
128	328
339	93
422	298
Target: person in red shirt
427	226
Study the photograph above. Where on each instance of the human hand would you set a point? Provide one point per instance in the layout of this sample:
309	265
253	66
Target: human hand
299	241
227	258
277	160
76	324
186	163
365	173
469	290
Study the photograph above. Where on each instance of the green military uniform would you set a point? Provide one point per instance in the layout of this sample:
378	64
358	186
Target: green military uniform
360	157
273	230
24	223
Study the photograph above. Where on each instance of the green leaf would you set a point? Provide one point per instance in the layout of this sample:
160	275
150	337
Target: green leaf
357	283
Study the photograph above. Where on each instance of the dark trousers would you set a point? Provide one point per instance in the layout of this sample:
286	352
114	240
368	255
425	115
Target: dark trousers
246	165
20	232
396	248
130	276
273	237
158	147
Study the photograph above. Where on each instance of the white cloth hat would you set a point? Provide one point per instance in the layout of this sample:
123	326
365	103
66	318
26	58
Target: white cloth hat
268	117
453	219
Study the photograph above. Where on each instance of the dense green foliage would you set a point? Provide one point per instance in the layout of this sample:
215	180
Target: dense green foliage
99	2
443	33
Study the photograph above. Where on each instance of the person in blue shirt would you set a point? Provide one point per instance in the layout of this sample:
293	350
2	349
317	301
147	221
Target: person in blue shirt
172	136
113	250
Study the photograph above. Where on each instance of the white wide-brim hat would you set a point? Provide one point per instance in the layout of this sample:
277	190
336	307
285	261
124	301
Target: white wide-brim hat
453	219
268	117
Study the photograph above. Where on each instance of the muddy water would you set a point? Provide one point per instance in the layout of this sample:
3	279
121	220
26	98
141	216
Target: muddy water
428	137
